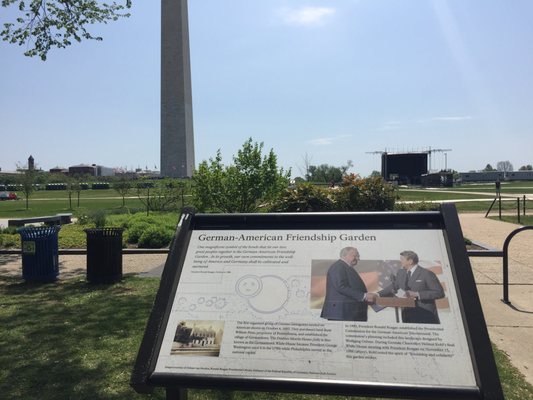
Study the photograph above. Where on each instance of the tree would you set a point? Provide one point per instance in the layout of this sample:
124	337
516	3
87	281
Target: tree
505	167
123	187
251	180
328	173
488	168
160	196
45	24
70	188
528	167
27	180
305	169
375	174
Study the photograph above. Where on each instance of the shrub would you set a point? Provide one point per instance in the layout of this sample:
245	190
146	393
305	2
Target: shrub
417	206
9	240
364	194
72	236
156	237
98	218
244	186
135	231
137	224
305	198
355	194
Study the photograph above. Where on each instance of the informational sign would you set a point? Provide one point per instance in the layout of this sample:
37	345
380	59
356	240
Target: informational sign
359	307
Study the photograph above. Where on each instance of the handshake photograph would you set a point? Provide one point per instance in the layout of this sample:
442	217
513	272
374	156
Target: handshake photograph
348	288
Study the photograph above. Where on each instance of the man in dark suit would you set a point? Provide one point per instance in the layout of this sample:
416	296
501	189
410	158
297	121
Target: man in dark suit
346	294
420	284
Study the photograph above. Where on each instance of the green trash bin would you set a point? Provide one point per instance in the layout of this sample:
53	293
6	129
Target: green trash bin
40	261
104	255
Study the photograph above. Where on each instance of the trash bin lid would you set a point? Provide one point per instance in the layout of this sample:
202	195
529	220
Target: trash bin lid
35	232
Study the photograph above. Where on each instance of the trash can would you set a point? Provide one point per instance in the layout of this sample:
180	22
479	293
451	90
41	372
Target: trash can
104	255
40	262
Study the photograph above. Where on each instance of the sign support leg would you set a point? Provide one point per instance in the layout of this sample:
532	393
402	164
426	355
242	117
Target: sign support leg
176	393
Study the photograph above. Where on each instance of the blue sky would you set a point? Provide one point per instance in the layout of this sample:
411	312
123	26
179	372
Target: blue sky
333	79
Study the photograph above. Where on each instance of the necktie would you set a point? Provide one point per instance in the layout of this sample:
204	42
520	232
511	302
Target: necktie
407	280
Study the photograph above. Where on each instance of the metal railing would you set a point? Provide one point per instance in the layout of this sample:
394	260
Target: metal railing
506	261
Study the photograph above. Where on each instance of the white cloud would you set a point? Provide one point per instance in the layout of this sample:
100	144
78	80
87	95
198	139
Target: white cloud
327	140
391	126
446	119
306	16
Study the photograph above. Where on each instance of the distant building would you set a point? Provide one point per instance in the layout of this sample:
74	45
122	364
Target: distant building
493	176
93	170
59	170
405	168
31	163
104	171
82	169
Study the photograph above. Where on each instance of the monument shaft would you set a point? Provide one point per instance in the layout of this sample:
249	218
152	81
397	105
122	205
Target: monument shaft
177	137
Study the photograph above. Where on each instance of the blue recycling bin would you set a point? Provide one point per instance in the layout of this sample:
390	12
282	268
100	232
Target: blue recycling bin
40	261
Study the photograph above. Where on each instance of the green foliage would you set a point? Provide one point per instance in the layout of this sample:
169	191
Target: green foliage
9	240
251	180
155	237
417	206
72	236
135	230
162	195
367	194
306	197
97	217
43	25
27	180
355	194
136	225
326	173
123	187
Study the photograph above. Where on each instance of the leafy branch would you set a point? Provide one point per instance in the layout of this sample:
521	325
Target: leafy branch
46	24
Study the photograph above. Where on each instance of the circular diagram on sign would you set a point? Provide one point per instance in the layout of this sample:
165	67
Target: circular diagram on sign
265	294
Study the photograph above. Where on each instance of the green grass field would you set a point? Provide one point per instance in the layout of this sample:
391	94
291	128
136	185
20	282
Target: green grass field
45	202
74	340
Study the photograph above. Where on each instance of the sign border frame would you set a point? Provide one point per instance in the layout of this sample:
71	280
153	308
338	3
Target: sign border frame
143	378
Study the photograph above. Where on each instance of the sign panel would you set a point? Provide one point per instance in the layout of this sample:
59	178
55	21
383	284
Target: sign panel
379	304
253	303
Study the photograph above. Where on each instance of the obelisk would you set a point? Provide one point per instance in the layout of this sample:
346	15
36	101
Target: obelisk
177	137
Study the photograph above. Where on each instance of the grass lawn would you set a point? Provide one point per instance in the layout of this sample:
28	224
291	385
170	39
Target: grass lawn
79	341
524	220
40	207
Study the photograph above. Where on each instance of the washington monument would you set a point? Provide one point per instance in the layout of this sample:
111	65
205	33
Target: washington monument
177	137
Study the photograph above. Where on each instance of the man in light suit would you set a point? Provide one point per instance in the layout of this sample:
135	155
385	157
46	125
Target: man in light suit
346	294
420	284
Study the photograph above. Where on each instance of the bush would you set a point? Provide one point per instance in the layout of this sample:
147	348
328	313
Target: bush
244	186
364	194
135	225
305	198
9	240
156	237
135	231
417	206
72	236
355	194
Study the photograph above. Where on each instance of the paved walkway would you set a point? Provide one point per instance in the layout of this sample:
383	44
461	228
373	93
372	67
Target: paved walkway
510	327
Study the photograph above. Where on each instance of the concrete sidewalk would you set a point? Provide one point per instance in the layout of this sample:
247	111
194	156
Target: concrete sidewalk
510	327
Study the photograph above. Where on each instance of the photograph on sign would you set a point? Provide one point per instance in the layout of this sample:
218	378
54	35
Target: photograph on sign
361	306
